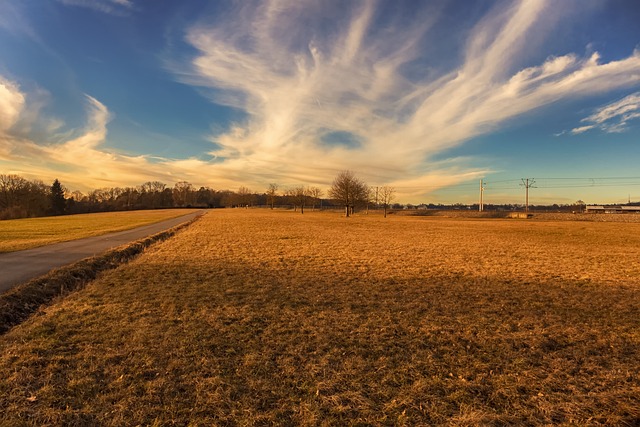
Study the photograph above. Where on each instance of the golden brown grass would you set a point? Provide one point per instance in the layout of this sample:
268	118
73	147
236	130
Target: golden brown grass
20	302
19	234
261	318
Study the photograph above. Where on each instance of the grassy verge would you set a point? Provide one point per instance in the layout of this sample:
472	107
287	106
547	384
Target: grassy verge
20	302
259	318
19	234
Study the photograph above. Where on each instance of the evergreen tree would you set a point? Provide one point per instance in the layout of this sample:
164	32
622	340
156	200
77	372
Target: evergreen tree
58	202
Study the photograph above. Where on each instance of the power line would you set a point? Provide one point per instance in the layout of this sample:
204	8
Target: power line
540	183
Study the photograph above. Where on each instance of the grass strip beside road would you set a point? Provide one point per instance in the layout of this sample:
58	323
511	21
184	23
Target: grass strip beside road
17	304
20	234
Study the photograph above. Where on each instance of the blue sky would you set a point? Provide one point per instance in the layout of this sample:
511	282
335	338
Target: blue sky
425	96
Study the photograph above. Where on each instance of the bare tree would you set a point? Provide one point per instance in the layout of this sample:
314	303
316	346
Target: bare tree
77	195
386	195
348	190
97	196
314	193
300	195
11	187
152	194
182	193
297	196
21	198
153	187
245	196
272	193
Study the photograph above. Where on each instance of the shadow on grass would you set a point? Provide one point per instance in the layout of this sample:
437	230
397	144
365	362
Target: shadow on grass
233	344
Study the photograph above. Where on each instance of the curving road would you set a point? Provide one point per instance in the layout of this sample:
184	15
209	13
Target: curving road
22	266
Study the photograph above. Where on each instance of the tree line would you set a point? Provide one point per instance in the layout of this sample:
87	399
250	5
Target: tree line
22	198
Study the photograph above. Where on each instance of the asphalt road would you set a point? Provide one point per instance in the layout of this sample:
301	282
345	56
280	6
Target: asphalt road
22	266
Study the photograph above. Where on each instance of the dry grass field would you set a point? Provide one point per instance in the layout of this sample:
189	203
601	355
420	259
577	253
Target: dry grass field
252	318
18	234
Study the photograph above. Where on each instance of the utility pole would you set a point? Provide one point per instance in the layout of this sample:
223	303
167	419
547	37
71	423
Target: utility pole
481	206
527	183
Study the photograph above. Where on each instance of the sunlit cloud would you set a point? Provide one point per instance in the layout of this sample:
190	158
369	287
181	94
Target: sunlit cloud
613	117
297	85
326	88
83	161
581	129
12	103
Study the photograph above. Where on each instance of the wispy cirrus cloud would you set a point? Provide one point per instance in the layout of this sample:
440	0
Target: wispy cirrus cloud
326	87
298	81
113	7
613	117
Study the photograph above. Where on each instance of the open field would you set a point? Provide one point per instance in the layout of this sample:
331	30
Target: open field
19	234
251	317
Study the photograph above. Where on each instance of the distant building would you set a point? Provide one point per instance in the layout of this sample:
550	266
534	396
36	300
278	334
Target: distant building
611	209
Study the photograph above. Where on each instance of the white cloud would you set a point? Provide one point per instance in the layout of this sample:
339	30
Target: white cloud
84	162
307	75
12	102
613	117
581	129
296	84
113	7
83	148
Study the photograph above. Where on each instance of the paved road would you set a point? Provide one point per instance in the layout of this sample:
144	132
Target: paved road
22	266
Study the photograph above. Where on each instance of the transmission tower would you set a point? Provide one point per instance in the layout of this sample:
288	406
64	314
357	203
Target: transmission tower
527	183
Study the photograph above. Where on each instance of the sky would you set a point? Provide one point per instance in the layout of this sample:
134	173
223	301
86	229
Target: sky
425	96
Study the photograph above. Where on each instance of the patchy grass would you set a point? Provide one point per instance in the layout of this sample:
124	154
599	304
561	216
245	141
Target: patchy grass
261	318
19	234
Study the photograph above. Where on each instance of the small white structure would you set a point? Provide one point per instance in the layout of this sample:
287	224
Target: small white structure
611	209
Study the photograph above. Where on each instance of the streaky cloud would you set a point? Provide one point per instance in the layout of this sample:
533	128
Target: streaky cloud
112	7
613	117
327	86
581	129
296	83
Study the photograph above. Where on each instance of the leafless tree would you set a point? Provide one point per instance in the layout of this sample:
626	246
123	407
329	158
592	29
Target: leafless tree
272	193
245	197
77	195
300	195
386	195
152	194
12	188
314	193
20	198
297	196
153	187
348	190
182	193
